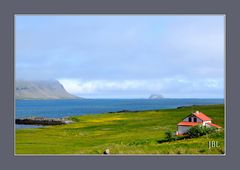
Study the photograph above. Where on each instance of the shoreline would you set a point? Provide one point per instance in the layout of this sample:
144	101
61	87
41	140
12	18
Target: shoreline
41	121
65	108
44	121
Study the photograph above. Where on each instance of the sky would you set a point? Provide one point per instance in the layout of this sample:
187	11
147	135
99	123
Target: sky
124	56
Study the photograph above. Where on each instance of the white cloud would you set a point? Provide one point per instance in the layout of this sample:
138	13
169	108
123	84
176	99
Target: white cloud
169	87
79	86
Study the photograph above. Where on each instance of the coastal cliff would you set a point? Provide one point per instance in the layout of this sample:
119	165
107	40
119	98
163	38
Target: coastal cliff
51	89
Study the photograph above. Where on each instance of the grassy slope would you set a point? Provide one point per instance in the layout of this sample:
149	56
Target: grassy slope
122	133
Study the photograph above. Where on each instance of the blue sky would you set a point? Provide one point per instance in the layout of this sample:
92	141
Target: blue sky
124	56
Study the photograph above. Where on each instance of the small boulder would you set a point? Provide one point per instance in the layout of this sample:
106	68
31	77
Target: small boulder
106	152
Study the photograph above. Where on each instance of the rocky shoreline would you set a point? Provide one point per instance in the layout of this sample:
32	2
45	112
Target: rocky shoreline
42	121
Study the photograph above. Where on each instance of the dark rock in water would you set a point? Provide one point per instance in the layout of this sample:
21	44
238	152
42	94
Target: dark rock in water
42	121
124	111
180	107
155	96
41	89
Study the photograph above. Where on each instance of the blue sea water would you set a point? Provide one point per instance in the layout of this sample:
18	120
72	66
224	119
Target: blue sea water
65	108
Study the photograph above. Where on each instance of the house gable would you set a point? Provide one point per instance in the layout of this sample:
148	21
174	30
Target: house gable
197	117
192	118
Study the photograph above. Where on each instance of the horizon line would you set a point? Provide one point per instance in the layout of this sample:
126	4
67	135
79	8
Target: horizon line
83	98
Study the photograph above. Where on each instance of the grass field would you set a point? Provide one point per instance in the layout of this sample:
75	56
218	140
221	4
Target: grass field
122	133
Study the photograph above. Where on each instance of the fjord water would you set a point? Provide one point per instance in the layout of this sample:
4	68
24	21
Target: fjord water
73	107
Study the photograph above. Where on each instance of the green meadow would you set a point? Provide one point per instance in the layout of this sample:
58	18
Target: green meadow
122	133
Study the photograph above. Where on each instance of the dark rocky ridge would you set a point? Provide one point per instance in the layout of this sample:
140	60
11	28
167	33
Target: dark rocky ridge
42	121
52	89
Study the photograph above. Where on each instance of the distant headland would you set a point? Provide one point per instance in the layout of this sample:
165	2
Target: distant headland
41	89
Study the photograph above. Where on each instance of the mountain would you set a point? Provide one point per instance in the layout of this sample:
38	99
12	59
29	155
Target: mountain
156	96
52	89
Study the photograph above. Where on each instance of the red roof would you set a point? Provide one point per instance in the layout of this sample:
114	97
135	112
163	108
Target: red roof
214	125
189	123
201	116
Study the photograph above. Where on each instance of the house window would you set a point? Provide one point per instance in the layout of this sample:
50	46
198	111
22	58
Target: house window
195	119
189	119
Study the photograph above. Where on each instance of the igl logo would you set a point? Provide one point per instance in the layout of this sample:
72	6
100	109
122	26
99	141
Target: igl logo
213	144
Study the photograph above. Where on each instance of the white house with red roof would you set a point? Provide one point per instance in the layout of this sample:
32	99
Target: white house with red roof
194	119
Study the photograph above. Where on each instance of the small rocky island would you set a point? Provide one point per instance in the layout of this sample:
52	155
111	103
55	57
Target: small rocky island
156	96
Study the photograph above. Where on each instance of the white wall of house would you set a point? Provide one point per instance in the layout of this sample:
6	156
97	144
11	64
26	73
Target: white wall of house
204	123
183	129
192	119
